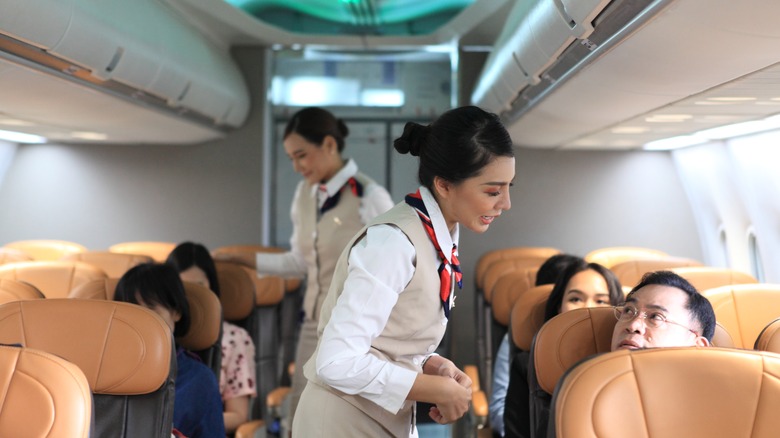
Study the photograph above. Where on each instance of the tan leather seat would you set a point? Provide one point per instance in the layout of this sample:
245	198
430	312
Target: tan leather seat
706	277
630	272
43	395
508	289
55	279
611	256
10	255
13	290
490	257
114	264
46	249
745	309
124	350
528	315
769	338
156	250
670	392
290	284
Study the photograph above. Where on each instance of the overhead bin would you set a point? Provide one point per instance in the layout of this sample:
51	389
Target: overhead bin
145	46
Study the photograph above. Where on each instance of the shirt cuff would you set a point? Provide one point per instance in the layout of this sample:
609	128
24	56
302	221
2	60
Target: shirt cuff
400	382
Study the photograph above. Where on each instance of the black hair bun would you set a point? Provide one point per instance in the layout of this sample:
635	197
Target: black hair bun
412	139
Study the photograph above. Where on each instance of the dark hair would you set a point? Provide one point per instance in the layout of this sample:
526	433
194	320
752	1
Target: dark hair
314	124
698	305
457	145
189	254
552	268
553	305
156	284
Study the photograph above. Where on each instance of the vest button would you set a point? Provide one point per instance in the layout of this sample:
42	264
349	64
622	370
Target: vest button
431	348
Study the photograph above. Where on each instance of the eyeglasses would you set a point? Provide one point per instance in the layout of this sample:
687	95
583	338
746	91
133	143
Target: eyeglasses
652	319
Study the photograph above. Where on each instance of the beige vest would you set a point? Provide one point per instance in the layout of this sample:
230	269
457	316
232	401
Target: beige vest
328	237
416	324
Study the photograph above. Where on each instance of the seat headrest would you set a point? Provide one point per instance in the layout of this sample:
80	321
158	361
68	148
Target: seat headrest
157	250
43	249
769	338
528	315
122	348
98	289
567	339
205	318
630	272
745	309
43	395
722	338
508	289
13	290
55	279
290	284
706	277
237	291
114	264
493	256
670	392
611	256
10	255
502	267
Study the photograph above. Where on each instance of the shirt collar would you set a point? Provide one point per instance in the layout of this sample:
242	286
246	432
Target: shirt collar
443	235
333	185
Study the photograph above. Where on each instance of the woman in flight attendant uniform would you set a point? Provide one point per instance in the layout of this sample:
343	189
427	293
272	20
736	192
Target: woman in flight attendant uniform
393	288
332	203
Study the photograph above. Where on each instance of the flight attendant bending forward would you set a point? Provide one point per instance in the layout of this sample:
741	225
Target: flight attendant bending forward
393	288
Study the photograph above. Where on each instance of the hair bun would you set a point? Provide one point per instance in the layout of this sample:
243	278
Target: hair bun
412	139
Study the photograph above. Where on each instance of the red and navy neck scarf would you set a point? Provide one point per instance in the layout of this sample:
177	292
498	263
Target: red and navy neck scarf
332	201
416	202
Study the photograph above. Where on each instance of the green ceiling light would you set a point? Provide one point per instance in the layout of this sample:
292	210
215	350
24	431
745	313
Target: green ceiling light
355	17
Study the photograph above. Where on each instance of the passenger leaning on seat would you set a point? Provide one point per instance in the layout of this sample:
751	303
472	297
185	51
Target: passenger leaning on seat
237	375
580	285
663	310
197	410
393	287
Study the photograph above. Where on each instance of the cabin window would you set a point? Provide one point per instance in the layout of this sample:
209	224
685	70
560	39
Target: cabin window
756	265
724	249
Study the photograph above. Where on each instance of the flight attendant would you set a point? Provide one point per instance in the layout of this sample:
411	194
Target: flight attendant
393	288
332	203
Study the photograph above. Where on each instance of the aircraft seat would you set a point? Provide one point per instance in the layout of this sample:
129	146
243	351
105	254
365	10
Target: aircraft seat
55	279
611	256
630	272
769	338
707	277
745	309
528	315
43	395
125	351
508	289
114	264
670	392
156	250
10	255
13	290
43	249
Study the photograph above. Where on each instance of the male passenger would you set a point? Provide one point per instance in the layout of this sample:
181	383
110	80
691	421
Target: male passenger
663	310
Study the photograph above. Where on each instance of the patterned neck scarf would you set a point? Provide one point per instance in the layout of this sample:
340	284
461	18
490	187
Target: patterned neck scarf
332	201
445	274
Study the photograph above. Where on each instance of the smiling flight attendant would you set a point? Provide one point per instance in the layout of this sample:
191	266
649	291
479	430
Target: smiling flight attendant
391	294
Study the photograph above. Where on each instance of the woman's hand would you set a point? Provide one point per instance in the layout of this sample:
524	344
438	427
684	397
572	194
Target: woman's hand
455	390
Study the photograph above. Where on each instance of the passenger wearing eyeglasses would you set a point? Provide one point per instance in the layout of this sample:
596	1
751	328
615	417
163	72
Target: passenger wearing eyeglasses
663	310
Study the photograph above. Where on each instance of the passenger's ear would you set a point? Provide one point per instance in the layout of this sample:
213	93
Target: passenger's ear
701	341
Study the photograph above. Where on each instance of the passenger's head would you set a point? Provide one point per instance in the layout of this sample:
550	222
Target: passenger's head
466	161
583	284
157	286
663	310
553	267
313	140
193	262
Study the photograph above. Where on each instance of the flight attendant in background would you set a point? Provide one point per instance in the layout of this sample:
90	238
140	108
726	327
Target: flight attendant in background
392	290
332	203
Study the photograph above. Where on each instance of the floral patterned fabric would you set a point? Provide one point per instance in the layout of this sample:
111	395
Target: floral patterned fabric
237	377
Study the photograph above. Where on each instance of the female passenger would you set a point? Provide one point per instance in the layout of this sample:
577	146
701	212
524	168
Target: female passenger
332	203
197	409
237	374
393	288
580	285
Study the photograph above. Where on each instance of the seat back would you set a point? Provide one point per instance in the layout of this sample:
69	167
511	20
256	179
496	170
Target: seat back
124	350
611	256
156	250
745	309
43	395
237	291
491	257
706	277
630	272
43	249
10	255
114	264
13	290
507	290
528	315
55	279
290	284
670	392
769	338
